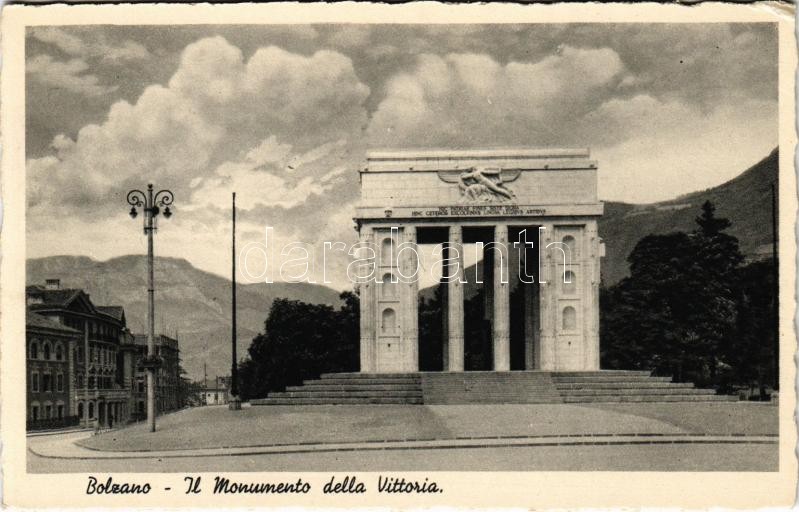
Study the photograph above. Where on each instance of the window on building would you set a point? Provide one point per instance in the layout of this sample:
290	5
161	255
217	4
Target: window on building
35	412
59	382
48	411
80	410
34	350
387	288
569	318
386	256
47	383
569	283
569	241
389	323
141	386
91	410
35	382
46	351
60	412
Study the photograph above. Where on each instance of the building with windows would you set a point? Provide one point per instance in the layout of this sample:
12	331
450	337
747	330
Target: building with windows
97	390
167	376
50	372
215	392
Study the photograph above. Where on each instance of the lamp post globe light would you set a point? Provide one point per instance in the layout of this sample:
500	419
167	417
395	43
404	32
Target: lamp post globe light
151	203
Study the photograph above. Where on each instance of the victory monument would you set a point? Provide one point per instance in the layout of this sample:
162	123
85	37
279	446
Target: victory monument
531	216
502	198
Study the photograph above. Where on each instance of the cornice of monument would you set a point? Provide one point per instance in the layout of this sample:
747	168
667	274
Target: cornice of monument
455	154
509	159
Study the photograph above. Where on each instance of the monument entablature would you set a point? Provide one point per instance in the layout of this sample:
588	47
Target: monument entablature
420	193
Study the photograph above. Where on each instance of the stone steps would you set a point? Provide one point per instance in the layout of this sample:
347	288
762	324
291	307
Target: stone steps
558	379
602	373
648	398
312	393
338	401
489	387
527	387
637	391
362	382
623	385
630	387
324	386
351	388
369	376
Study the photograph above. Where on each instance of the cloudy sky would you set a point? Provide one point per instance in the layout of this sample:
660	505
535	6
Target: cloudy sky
283	115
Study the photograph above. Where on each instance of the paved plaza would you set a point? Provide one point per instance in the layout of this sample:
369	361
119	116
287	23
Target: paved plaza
679	436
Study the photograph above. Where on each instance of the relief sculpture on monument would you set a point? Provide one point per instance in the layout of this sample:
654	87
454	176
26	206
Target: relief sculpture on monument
484	184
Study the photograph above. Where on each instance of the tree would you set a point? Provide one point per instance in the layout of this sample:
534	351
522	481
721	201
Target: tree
188	392
301	341
750	352
677	311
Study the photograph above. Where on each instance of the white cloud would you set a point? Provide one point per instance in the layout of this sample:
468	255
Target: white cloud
256	186
70	75
269	151
648	148
471	100
668	148
96	46
218	116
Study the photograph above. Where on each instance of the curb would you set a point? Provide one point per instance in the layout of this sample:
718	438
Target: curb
79	442
467	443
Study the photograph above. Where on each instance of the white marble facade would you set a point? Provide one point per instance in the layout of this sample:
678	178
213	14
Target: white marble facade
500	191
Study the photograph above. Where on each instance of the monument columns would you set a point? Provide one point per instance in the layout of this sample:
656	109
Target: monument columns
501	321
410	300
455	302
367	309
592	297
530	324
546	291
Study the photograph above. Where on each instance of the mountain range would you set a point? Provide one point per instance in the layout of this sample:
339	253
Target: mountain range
745	201
192	304
195	305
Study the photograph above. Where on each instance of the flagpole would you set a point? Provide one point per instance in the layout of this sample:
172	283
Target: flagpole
235	402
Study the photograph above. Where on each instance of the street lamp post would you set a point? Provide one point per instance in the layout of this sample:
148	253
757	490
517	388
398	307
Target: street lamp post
152	203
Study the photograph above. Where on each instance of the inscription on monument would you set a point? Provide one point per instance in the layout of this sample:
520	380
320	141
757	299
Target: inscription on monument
477	210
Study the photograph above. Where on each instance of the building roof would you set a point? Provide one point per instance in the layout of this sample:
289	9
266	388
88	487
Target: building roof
117	312
160	339
36	321
53	298
215	385
42	298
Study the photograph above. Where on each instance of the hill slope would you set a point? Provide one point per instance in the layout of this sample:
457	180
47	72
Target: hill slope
745	200
189	301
